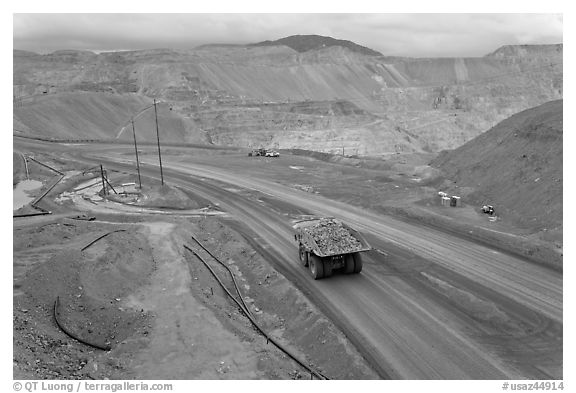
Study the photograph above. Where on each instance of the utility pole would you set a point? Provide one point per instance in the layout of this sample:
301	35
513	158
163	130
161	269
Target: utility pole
26	166
136	149
158	137
103	183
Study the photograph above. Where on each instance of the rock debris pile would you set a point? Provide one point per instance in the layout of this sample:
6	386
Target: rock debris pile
333	238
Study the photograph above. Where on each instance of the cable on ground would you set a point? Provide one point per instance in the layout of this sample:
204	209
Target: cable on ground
241	305
229	271
100	237
70	334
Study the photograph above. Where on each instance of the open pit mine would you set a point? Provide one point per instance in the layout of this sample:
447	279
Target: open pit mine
306	208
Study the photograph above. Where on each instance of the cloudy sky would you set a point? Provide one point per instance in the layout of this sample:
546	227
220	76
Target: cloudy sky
417	35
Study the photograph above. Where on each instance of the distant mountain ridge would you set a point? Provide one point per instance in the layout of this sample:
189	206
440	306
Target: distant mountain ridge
305	43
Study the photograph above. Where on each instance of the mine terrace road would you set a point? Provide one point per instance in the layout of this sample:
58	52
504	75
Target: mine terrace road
467	312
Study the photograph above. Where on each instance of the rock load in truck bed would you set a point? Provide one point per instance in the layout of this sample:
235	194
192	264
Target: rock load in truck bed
333	238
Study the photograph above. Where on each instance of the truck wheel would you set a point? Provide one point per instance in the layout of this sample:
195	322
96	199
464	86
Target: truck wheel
327	267
303	256
357	263
348	264
316	267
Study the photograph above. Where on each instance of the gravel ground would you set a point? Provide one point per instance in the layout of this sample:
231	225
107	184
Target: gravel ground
172	321
156	306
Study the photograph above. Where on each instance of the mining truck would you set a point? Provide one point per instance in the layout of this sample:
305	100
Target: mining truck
261	152
327	245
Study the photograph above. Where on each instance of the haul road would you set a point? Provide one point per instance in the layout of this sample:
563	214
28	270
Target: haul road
414	314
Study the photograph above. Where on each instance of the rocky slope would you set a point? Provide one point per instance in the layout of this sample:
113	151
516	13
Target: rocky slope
85	115
515	166
276	95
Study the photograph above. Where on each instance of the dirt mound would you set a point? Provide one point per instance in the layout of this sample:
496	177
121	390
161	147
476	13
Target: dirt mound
516	166
83	289
90	284
166	197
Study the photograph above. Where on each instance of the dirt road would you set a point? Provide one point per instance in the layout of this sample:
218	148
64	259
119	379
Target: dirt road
426	306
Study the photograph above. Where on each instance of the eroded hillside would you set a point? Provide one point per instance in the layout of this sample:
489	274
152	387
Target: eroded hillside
323	99
516	166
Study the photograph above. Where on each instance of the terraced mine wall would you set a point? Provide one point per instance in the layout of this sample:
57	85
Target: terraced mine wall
273	95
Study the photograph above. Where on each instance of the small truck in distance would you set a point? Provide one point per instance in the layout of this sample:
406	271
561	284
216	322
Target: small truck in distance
327	245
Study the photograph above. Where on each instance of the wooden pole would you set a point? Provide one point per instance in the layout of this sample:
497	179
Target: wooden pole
158	137
26	166
136	150
103	183
109	185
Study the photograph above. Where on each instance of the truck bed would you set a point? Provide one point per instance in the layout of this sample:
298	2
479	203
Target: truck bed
328	236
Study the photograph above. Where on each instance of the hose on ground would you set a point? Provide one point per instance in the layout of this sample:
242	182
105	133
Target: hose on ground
100	237
91	169
240	304
70	334
38	199
229	271
31	214
252	320
88	186
47	166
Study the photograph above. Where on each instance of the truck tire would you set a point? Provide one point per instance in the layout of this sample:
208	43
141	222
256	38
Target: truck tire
357	262
316	267
348	264
303	256
327	262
